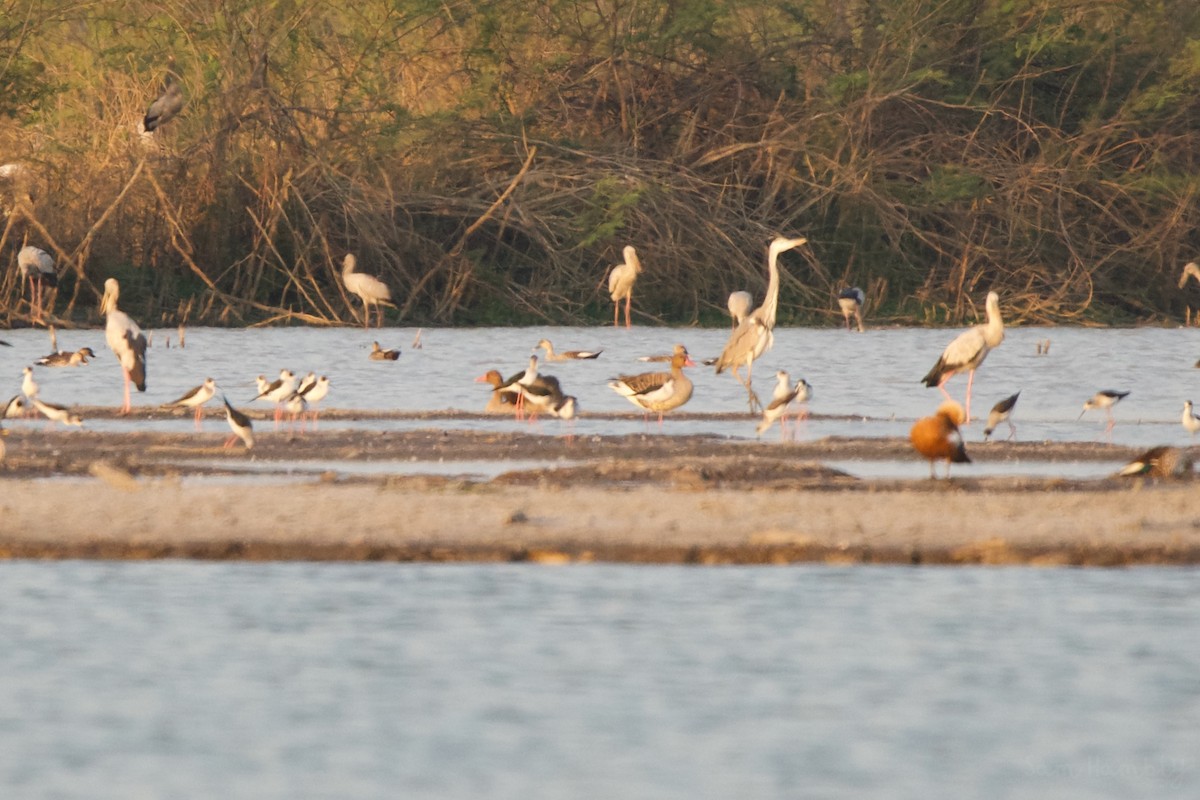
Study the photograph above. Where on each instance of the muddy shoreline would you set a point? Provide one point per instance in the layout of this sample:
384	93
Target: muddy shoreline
636	499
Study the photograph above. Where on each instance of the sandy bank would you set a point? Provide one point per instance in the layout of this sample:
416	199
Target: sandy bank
634	499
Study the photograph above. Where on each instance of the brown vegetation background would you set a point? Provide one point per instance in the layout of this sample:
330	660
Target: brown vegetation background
490	159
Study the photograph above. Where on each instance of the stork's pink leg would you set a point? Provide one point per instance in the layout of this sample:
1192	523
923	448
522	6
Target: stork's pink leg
970	380
628	301
128	407
942	386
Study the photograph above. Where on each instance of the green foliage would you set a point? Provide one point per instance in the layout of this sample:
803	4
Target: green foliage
606	212
950	183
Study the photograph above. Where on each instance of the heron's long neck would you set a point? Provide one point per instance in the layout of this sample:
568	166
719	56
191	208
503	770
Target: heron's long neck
771	301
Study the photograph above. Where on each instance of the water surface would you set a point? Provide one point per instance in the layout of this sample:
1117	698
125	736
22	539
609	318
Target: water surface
865	384
169	679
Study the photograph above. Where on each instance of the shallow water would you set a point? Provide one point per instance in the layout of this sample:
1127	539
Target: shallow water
172	679
865	384
469	469
902	469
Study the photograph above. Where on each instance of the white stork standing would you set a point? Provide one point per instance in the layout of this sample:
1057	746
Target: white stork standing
967	352
754	335
620	282
125	339
371	290
37	268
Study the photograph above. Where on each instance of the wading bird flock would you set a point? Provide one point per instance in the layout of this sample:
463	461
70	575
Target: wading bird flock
530	392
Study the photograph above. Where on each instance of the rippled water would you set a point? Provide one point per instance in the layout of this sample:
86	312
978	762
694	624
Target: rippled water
869	383
126	680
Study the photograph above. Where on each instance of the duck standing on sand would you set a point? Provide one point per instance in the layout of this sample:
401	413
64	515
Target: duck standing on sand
658	391
937	437
1159	462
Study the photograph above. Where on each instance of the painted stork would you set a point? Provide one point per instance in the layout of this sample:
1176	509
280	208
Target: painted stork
125	339
967	352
